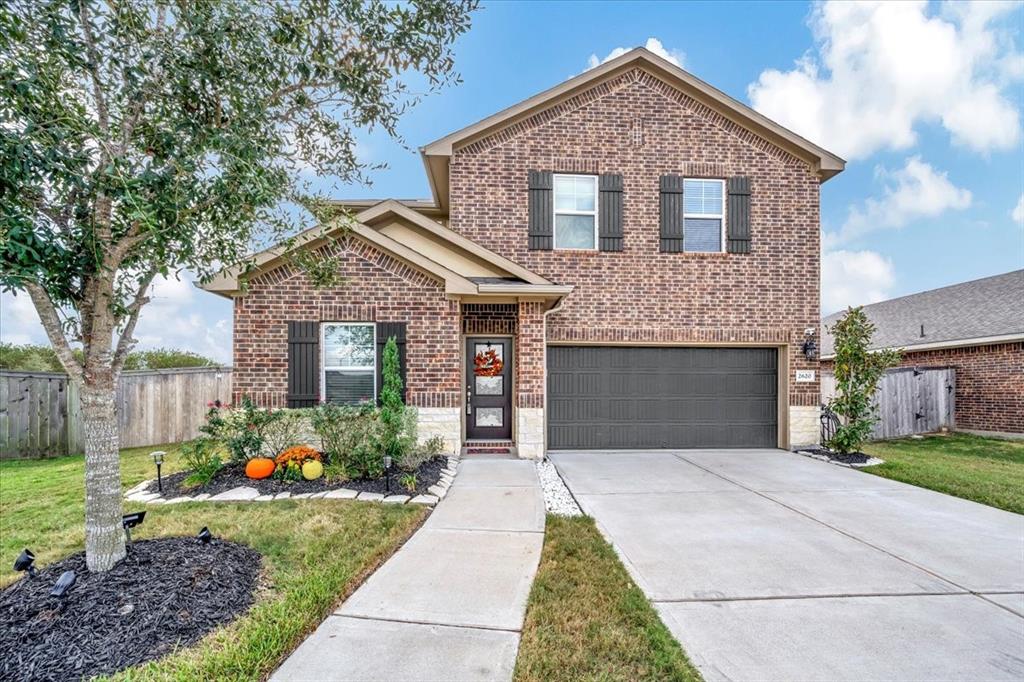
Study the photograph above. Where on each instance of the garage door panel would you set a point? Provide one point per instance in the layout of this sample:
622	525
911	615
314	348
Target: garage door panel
655	397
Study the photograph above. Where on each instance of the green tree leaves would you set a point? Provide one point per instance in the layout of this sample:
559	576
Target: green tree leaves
858	371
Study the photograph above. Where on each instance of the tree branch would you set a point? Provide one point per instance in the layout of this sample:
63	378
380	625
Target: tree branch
54	331
126	342
94	68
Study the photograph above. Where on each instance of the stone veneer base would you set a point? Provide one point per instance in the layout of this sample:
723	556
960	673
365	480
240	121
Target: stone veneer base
804	425
530	432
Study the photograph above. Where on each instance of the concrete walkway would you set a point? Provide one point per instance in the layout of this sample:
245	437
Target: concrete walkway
767	565
449	605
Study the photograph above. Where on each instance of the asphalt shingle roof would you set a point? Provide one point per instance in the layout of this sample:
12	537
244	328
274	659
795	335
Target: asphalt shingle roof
992	306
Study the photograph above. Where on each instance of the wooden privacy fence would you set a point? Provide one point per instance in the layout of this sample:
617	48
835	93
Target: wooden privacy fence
40	414
910	400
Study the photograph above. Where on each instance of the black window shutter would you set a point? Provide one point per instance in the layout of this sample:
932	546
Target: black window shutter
609	229
738	228
541	209
385	330
303	364
671	213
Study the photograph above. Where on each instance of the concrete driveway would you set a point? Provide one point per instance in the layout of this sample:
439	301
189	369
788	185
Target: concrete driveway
767	565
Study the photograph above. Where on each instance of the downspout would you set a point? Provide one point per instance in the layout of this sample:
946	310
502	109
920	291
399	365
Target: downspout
553	309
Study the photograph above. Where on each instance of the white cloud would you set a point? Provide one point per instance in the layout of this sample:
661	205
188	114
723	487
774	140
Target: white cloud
653	44
19	323
178	316
915	191
879	69
854	278
1018	212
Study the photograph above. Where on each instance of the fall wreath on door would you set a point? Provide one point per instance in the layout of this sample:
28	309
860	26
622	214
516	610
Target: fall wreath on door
487	363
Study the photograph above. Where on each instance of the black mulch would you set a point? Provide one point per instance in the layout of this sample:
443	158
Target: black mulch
166	594
848	458
233	476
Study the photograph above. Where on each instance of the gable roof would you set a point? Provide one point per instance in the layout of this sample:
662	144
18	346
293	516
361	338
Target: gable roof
453	267
988	310
437	154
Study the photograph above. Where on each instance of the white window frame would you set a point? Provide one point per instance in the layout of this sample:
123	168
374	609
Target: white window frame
713	216
556	212
323	356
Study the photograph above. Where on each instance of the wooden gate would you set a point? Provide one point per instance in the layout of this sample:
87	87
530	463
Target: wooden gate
909	400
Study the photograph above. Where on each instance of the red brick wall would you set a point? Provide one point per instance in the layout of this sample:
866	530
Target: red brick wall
637	126
989	383
378	289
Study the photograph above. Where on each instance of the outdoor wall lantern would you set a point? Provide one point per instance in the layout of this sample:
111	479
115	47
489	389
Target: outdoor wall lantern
24	563
810	348
129	521
387	473
158	459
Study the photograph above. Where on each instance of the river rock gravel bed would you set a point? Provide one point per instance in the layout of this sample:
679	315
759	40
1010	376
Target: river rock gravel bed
557	498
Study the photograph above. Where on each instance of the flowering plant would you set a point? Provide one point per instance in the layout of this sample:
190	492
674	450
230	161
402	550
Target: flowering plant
298	454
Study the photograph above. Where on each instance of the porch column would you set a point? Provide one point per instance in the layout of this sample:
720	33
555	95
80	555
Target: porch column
530	380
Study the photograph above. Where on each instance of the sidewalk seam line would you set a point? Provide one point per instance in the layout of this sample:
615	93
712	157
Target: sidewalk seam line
489	628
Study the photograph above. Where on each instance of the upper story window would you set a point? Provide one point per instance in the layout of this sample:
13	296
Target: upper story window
703	215
575	211
349	363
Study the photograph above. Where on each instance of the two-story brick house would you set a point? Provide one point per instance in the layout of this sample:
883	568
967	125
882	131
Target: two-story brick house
627	260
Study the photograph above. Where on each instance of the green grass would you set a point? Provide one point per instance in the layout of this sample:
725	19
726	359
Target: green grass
986	470
587	620
315	552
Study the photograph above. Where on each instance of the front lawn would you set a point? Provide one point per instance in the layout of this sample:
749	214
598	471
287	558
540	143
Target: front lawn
315	553
587	619
986	470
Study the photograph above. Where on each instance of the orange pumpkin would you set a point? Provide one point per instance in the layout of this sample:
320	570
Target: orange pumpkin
260	467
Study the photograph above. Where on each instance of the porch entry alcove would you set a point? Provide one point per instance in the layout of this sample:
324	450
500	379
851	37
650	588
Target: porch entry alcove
488	402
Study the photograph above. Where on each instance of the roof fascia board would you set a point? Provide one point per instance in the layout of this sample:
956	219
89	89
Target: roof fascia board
824	162
382	209
940	345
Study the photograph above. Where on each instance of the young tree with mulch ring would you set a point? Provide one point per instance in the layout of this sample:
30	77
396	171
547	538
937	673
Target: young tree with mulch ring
858	371
148	138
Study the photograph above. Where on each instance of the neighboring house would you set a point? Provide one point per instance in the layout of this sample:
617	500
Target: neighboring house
975	327
627	260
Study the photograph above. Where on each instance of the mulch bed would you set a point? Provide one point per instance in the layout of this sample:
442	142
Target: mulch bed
849	458
233	476
168	593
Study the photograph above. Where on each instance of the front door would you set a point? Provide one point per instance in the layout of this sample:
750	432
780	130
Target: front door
488	388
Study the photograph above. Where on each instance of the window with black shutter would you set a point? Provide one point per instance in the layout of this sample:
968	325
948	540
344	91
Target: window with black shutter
303	364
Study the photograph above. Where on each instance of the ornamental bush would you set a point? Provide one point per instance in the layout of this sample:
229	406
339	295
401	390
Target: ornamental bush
202	459
858	371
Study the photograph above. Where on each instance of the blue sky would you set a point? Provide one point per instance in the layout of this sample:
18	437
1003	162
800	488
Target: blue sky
923	100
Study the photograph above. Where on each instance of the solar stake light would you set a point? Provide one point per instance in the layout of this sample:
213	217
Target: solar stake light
205	535
387	473
129	521
64	583
24	563
158	459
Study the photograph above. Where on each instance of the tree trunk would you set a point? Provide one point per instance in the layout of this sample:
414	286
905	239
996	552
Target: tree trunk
104	536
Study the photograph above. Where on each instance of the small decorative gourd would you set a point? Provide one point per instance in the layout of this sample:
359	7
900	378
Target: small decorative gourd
312	470
260	467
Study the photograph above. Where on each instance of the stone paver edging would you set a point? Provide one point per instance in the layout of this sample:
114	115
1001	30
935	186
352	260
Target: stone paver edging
244	493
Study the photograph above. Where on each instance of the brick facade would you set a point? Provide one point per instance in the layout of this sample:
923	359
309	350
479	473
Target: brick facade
633	124
989	383
640	127
378	288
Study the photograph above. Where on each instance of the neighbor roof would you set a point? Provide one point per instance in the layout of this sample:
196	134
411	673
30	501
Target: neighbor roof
437	154
986	310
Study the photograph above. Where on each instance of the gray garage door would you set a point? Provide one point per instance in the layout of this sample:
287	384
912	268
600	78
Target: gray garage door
617	397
